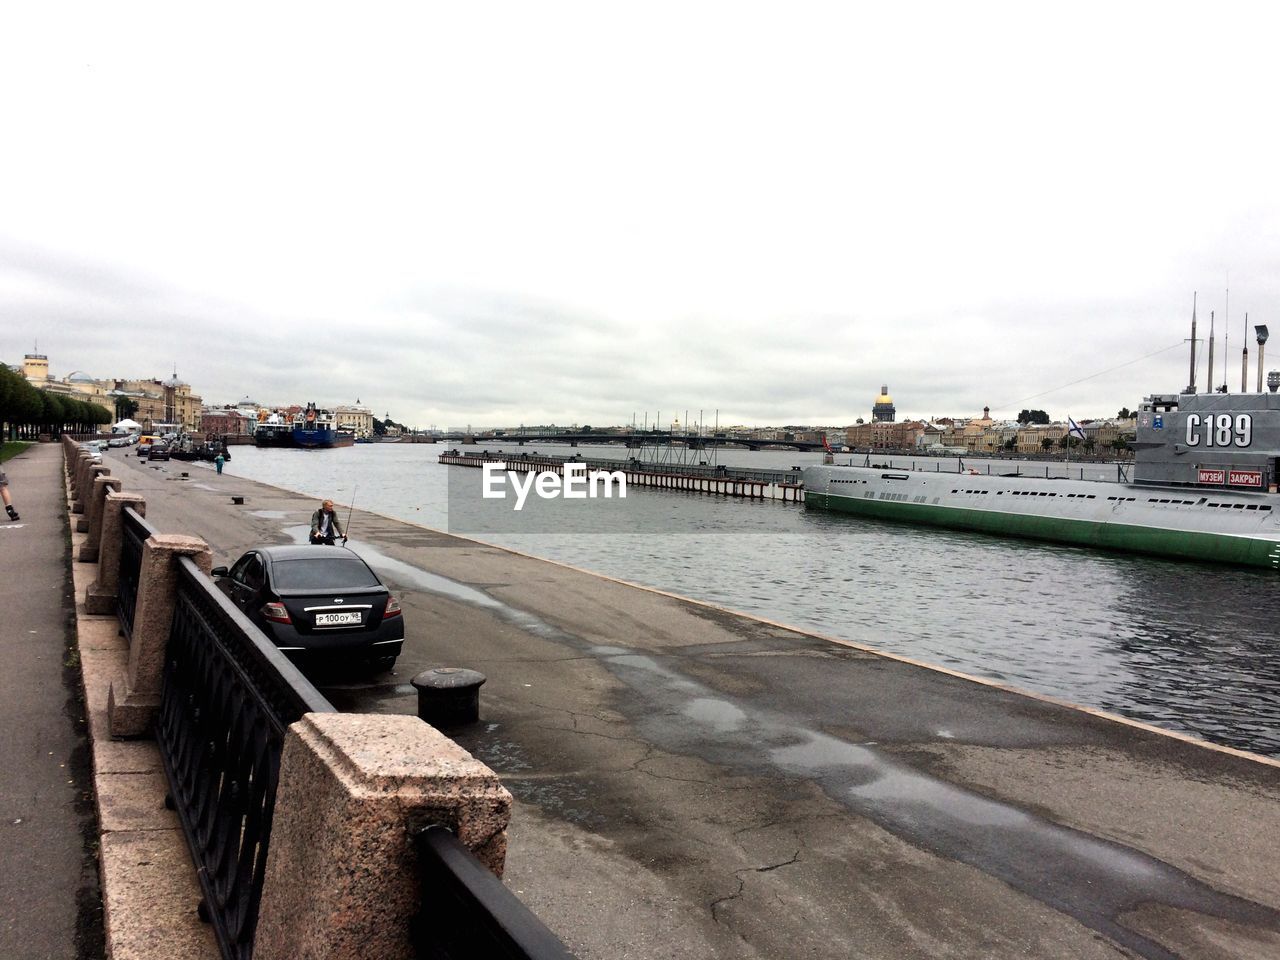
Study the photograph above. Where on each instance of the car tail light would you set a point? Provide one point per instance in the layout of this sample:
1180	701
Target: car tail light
393	608
276	613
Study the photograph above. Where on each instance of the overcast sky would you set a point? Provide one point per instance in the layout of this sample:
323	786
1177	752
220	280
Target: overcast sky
493	213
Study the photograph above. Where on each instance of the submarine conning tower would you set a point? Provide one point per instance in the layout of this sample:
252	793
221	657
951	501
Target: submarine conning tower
1212	441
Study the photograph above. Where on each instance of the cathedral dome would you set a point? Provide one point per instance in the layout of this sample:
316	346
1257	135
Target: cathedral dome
883	411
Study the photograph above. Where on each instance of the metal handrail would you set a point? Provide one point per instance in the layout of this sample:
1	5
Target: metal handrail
467	913
229	695
134	533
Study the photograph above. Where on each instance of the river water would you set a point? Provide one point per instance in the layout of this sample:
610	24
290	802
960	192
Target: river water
1184	646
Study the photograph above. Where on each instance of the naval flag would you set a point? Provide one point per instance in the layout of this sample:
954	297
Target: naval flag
1074	429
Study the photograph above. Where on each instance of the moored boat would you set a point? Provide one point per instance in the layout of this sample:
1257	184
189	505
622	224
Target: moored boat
1203	487
273	430
316	428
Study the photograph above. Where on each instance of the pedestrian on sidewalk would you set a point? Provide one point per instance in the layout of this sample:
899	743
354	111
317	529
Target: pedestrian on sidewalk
6	497
219	460
325	526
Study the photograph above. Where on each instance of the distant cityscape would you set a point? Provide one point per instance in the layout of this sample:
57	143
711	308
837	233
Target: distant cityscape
172	405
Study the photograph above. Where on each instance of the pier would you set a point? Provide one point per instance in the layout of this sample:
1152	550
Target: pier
784	485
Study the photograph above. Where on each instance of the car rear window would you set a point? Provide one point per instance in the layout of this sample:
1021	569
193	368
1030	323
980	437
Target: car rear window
323	572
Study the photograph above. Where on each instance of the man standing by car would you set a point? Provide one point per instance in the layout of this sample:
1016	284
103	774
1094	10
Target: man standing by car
324	525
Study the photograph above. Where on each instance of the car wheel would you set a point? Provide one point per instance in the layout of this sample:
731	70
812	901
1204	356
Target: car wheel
382	664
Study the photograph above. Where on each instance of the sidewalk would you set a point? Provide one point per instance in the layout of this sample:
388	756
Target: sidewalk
50	901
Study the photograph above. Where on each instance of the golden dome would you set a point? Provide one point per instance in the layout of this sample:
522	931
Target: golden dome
884	395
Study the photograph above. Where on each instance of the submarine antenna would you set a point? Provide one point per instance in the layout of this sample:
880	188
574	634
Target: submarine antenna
1191	386
1210	380
1244	358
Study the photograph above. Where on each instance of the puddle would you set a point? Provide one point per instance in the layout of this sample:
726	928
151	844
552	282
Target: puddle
720	715
271	515
409	575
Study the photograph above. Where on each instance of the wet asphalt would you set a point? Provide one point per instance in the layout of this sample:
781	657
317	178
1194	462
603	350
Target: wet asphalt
695	783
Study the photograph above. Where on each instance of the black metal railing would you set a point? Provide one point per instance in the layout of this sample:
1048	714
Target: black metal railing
467	914
134	533
228	698
229	695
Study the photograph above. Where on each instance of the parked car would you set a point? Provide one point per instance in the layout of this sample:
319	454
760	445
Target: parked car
159	451
316	603
145	442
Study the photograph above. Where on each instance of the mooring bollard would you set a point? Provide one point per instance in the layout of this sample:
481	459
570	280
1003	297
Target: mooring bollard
448	696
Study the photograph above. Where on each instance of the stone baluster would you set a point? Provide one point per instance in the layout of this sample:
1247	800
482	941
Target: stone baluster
91	476
341	874
132	709
100	597
103	485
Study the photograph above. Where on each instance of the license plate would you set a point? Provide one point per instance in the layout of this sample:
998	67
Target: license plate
337	619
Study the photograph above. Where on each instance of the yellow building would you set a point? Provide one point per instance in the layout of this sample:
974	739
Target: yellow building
35	369
182	407
357	419
77	385
160	402
1031	437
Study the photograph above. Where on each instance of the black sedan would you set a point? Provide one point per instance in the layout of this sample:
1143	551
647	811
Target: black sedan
316	603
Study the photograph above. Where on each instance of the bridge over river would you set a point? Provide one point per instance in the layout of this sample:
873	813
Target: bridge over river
637	439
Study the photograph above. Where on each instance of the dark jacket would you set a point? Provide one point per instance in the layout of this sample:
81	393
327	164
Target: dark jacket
335	529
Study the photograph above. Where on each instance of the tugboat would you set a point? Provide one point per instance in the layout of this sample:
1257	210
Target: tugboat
1205	473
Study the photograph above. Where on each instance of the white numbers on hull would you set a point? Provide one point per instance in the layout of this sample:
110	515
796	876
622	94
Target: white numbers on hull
1222	430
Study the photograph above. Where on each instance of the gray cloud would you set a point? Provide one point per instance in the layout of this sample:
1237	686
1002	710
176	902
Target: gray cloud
454	356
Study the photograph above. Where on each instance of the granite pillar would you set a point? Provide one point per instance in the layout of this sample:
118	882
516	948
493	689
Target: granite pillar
97	498
84	460
341	875
133	704
101	595
91	477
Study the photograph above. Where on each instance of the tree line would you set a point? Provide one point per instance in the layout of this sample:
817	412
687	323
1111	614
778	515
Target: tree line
26	412
1039	416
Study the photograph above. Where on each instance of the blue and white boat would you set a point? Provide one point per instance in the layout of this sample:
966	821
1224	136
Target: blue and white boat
314	427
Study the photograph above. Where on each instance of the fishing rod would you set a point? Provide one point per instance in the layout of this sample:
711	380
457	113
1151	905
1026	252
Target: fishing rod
346	530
